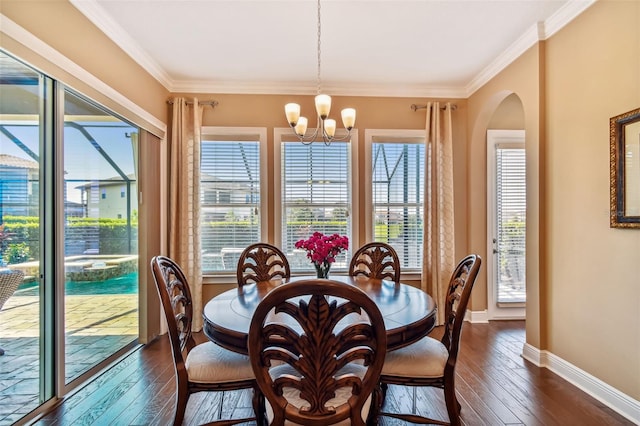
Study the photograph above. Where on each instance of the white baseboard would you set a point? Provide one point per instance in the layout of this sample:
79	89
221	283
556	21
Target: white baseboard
608	395
476	317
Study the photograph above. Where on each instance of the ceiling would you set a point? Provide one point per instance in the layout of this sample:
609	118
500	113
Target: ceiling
414	48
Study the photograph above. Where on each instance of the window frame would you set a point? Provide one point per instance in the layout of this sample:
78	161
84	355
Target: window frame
393	135
246	134
285	134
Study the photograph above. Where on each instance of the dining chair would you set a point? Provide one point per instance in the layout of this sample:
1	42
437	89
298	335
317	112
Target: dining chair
432	362
376	260
317	349
202	367
262	262
9	282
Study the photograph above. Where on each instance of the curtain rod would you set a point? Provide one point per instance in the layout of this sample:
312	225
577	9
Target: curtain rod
417	107
210	103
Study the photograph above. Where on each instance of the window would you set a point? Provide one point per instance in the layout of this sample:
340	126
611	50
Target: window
396	167
506	223
123	192
315	192
103	193
231	200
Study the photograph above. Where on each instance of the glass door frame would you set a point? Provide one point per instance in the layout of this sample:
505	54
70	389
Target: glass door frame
495	139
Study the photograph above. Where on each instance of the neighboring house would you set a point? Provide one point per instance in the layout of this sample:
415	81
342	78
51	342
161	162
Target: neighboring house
108	198
218	197
19	185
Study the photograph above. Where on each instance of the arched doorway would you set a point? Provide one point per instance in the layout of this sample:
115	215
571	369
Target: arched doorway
506	211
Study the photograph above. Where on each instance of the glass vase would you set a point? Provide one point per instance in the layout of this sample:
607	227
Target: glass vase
322	269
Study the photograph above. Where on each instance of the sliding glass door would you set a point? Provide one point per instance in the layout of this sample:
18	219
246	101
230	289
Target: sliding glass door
68	225
22	122
100	235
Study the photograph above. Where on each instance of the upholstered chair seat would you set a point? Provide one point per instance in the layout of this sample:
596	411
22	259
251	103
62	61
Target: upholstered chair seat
227	367
424	358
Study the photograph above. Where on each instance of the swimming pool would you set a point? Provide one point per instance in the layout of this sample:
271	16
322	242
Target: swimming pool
83	268
125	284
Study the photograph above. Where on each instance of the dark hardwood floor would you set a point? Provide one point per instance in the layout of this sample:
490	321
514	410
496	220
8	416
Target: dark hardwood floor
495	387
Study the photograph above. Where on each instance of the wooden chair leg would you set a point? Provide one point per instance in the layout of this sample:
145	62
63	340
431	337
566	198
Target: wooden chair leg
259	407
182	399
453	406
376	406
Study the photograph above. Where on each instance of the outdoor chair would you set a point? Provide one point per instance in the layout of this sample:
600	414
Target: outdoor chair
9	282
376	260
203	367
430	362
317	347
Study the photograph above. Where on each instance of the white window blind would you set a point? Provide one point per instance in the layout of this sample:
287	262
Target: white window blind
398	167
511	209
230	199
316	196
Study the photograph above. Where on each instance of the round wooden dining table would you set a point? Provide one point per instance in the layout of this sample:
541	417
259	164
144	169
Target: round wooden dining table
409	313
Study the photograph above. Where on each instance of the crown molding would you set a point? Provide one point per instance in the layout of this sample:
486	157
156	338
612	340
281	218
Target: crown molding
528	39
280	88
24	37
100	18
543	30
564	15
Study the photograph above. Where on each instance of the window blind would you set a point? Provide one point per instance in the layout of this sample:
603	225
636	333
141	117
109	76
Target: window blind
511	211
398	167
316	196
229	199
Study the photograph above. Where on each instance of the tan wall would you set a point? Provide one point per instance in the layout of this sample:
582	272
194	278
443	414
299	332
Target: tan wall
583	278
593	73
523	78
87	46
509	115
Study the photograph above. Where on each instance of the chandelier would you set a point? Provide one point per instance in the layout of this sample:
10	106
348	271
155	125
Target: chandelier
325	126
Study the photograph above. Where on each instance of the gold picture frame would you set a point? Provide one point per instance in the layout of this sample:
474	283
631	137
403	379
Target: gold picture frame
624	153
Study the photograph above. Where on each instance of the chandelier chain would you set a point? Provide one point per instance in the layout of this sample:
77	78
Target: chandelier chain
319	47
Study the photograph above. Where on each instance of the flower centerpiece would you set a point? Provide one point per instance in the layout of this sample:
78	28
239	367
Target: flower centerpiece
322	250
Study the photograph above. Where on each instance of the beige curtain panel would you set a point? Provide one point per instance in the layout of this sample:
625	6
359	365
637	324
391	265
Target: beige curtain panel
439	236
184	195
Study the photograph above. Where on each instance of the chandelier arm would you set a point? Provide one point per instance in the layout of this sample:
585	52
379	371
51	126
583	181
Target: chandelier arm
311	138
342	139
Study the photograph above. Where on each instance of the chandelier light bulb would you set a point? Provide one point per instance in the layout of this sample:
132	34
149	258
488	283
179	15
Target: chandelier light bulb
330	127
348	118
301	126
292	111
323	106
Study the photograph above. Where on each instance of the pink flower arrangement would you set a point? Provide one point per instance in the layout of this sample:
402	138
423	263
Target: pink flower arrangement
323	249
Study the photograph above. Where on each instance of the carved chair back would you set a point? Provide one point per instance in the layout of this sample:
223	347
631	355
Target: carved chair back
317	348
173	289
376	260
262	262
459	290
